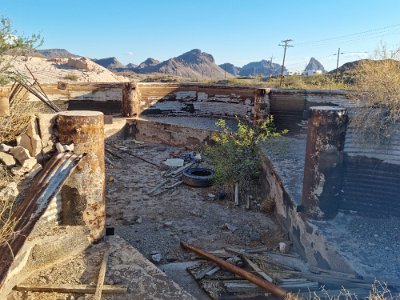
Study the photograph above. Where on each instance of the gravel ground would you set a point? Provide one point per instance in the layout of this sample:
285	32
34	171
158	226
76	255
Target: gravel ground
370	245
156	224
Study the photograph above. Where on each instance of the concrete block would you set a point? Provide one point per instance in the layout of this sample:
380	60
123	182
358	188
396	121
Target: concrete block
46	125
32	143
7	160
20	154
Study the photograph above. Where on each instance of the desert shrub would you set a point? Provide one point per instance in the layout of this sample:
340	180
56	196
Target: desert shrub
71	76
235	154
377	84
21	112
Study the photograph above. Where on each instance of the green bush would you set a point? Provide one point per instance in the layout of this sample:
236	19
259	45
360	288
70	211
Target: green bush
235	154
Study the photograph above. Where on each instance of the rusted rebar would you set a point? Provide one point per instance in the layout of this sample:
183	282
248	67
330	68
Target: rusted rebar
269	287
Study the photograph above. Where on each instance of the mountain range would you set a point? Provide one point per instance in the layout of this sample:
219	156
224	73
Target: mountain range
193	64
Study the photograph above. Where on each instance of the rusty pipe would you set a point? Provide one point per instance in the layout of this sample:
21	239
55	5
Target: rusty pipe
269	287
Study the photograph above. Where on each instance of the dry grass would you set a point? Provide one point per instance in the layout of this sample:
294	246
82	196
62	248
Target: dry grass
6	207
21	112
378	95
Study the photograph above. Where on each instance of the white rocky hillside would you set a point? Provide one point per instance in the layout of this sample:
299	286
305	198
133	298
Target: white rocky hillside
73	69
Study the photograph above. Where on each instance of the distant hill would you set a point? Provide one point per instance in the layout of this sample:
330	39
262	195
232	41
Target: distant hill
56	53
314	65
110	63
263	68
148	63
131	66
230	68
194	64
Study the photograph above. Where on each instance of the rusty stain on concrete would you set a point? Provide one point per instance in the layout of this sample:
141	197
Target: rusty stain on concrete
323	162
87	185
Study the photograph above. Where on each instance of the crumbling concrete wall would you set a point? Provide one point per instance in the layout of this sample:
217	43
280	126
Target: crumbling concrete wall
170	134
200	99
307	239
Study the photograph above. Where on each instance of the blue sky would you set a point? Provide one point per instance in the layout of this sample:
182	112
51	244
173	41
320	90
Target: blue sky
236	31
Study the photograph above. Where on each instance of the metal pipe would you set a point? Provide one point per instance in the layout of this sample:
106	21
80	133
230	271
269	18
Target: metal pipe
269	287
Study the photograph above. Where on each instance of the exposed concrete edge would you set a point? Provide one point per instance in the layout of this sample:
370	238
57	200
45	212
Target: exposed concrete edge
308	91
307	239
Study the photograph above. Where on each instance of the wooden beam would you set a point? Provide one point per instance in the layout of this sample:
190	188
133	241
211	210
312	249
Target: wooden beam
71	288
102	275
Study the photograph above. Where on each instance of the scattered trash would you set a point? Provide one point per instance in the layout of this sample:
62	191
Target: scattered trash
174	162
156	258
198	177
211	196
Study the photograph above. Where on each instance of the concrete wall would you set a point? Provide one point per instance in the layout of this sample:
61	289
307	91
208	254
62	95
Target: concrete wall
199	99
307	239
170	134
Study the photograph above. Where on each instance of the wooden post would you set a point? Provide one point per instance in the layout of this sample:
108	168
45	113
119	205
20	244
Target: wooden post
128	100
236	193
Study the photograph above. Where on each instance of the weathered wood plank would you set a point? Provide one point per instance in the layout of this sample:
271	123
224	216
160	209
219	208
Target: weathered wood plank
71	288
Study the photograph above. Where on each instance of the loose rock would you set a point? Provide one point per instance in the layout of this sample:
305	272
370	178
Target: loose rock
5	148
20	154
7	159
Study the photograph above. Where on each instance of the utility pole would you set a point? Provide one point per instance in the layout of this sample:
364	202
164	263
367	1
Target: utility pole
337	62
270	62
285	45
225	71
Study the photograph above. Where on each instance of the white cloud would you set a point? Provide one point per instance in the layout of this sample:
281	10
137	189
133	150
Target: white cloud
130	53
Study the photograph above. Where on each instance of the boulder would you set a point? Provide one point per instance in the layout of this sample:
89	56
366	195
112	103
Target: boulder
7	159
20	153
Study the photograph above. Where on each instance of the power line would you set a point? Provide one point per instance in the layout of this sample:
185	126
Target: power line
350	35
285	46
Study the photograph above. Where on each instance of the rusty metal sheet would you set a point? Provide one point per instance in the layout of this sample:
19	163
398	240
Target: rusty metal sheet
44	187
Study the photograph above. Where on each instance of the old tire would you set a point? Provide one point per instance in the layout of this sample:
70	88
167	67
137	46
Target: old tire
198	177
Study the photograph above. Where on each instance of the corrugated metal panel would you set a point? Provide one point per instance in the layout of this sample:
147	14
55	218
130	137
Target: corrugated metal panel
44	187
371	187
